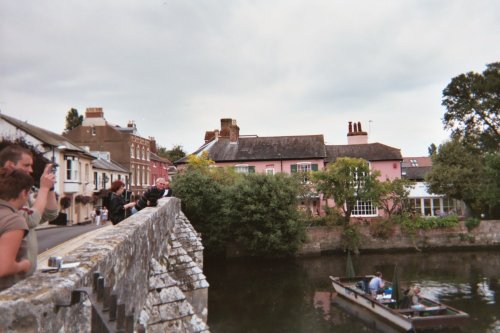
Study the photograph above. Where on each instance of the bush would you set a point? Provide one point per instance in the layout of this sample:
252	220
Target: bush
351	238
256	212
382	228
262	210
471	223
411	224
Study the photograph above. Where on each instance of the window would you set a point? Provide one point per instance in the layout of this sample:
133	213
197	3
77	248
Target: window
244	168
87	173
147	154
143	153
71	168
138	152
94	131
96	181
304	167
269	171
364	208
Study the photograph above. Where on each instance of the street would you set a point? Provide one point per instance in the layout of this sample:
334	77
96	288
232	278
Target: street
53	236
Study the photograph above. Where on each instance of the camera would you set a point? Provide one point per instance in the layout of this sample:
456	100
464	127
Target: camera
54	168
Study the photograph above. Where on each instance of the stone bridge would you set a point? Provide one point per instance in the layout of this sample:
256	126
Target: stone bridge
144	274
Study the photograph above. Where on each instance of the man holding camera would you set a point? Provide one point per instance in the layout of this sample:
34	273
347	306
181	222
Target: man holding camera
40	209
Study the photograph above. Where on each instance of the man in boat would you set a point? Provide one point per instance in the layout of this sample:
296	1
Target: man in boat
376	285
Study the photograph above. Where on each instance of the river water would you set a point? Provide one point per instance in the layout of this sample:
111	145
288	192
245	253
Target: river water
293	296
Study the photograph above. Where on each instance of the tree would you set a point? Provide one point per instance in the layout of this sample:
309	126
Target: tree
347	181
264	216
432	149
457	171
393	195
173	154
472	101
73	119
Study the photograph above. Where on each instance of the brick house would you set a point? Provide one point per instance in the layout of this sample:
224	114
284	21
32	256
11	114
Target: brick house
159	166
126	146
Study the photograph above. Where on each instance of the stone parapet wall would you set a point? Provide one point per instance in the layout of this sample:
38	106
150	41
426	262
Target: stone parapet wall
328	239
152	273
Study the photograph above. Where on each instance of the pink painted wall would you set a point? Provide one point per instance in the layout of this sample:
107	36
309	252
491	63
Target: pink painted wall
388	169
279	166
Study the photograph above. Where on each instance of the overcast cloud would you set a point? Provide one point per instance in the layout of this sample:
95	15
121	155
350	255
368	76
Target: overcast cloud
291	67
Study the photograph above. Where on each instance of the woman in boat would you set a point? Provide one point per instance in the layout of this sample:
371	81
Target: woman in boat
414	296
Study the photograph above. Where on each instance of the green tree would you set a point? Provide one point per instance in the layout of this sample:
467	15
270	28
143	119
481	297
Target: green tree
432	149
472	101
263	213
393	195
347	181
203	197
457	171
173	154
73	119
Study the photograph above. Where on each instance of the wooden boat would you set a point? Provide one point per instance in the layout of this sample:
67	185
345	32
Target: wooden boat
431	315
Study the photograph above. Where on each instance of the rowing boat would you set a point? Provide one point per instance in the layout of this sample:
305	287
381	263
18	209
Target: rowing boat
428	315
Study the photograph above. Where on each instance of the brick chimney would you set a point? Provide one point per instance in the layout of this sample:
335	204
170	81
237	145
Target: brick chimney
152	145
229	129
94	113
356	136
94	117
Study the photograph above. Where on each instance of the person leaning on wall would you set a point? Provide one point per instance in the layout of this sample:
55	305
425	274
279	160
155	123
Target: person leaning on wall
15	187
152	195
41	209
117	205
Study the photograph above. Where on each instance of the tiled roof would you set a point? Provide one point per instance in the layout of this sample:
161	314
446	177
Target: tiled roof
369	151
44	135
421	161
265	148
107	165
155	157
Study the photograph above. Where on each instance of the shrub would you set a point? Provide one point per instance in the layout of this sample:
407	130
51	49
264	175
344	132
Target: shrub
471	223
351	238
382	228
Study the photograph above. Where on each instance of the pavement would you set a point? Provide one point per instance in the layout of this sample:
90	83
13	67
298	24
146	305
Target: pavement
63	249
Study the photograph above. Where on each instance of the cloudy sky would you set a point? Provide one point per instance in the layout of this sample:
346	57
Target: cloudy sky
279	67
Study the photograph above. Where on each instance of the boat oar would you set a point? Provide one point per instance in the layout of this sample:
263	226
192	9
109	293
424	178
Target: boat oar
350	272
395	286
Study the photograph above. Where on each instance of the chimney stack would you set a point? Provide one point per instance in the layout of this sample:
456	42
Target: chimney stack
94	113
229	129
356	136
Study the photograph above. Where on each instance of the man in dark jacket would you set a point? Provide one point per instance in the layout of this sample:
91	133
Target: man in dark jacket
151	196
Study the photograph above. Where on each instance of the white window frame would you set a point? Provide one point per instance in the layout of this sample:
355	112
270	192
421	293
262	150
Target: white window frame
270	171
241	168
132	151
72	165
364	209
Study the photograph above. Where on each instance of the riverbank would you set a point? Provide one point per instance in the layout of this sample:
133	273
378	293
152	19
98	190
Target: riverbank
328	239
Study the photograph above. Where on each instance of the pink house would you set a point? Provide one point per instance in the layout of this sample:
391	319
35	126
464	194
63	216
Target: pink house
272	154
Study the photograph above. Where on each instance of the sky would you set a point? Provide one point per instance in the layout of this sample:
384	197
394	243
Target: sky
279	67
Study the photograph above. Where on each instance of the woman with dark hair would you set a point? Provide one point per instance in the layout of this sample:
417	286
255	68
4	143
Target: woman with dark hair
15	187
117	204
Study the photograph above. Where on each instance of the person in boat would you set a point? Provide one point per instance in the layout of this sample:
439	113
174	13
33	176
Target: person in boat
414	296
376	285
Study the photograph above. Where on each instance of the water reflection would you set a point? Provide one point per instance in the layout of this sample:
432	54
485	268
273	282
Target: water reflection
292	296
